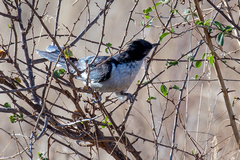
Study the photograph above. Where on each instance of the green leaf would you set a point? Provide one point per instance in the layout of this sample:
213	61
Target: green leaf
198	64
105	122
196	76
164	90
40	155
156	4
174	11
150	98
174	63
211	60
228	29
206	23
146	16
218	25
13	118
195	15
68	53
192	152
109	45
106	50
220	38
163	35
56	74
199	23
175	87
142	23
138	82
147	26
18	80
7	105
61	71
154	18
9	26
106	118
203	55
147	10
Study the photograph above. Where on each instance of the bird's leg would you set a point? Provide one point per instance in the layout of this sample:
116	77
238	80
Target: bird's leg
96	97
129	96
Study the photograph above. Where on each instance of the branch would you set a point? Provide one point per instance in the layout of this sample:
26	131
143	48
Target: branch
24	89
218	71
26	51
9	16
89	25
221	12
8	110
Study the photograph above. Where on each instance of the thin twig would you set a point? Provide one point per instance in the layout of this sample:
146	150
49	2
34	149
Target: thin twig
218	71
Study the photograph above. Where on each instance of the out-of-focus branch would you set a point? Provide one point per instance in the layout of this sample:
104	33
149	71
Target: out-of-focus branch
26	51
89	25
224	15
9	16
218	71
8	110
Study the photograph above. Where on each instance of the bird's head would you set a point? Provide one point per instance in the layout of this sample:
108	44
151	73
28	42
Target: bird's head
139	49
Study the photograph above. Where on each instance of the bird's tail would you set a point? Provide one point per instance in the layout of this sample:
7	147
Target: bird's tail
53	57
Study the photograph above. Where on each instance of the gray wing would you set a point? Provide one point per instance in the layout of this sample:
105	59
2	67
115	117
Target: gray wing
98	72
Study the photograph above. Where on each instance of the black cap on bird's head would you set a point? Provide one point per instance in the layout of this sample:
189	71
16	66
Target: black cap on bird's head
139	49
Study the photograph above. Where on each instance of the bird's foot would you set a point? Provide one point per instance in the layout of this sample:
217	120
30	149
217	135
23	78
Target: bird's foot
129	96
97	98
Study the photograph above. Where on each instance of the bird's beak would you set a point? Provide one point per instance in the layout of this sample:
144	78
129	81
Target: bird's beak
155	44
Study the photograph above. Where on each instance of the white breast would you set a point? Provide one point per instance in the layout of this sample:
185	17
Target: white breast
121	78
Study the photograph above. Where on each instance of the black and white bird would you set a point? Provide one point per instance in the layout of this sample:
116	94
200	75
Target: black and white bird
107	74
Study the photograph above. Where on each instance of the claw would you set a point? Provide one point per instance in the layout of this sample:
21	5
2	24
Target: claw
97	99
129	96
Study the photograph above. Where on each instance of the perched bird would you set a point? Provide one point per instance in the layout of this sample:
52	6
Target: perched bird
107	74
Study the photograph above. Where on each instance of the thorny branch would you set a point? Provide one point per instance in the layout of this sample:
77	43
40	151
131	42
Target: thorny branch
219	74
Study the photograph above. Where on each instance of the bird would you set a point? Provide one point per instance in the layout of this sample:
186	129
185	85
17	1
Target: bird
107	73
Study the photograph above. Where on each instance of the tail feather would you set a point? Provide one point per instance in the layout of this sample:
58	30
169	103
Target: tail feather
53	57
